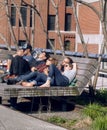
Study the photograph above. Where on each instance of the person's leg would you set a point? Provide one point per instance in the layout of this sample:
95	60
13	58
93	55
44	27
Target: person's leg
59	79
14	68
28	84
39	80
27	76
9	60
21	78
55	78
24	66
19	66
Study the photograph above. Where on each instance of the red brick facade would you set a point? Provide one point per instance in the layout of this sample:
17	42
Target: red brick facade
45	7
89	24
90	27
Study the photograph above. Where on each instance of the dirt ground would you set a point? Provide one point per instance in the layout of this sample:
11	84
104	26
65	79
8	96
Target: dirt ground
82	123
67	115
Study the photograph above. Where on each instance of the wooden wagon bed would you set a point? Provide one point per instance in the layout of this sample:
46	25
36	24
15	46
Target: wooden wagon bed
86	69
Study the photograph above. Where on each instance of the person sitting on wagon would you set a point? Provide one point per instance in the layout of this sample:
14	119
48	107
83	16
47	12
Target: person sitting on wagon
53	76
37	65
18	63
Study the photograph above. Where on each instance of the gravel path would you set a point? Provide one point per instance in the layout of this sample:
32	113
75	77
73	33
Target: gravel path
67	115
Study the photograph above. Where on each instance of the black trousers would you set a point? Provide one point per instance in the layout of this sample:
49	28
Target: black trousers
19	66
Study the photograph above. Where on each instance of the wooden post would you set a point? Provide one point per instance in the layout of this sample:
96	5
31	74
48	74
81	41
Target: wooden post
0	100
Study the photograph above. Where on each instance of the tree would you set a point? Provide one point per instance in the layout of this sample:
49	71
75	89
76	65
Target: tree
9	24
21	20
41	21
33	24
56	5
85	52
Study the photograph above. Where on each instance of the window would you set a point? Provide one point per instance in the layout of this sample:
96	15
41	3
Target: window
48	44
68	2
51	22
13	15
21	42
68	22
67	45
30	17
23	11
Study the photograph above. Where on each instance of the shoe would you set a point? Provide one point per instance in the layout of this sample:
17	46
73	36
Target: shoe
1	80
9	77
11	81
5	74
19	83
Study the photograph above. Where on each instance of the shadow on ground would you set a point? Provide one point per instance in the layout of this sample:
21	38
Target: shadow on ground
54	104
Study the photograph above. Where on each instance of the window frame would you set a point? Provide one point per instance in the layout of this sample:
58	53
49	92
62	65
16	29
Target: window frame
51	22
68	3
21	42
68	20
48	46
13	15
68	43
23	11
31	12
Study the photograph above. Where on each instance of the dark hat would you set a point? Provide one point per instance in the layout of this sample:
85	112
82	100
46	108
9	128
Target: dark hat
47	55
27	46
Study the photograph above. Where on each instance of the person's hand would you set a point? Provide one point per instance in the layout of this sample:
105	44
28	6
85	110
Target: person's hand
15	55
33	69
74	66
46	71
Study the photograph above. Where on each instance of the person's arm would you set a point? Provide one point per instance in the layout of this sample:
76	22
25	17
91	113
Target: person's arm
74	66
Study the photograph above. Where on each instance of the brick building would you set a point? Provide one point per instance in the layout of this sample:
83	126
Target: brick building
89	23
48	12
90	27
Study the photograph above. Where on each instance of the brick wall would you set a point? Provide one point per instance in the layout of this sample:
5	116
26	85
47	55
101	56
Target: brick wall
45	8
92	48
90	27
89	21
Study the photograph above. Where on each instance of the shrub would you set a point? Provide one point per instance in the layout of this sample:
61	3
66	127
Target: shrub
100	123
62	121
101	95
94	111
57	120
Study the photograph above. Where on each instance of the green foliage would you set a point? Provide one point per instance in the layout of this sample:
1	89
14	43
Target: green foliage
57	120
101	95
100	123
94	111
71	122
61	121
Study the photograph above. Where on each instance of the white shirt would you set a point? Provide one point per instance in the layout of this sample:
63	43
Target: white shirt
70	74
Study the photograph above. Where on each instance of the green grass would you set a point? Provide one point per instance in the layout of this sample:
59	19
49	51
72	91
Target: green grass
98	114
100	123
62	121
94	110
97	111
57	120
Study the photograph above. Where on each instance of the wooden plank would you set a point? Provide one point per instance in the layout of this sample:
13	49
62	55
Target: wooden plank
4	54
85	66
37	92
77	59
2	51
